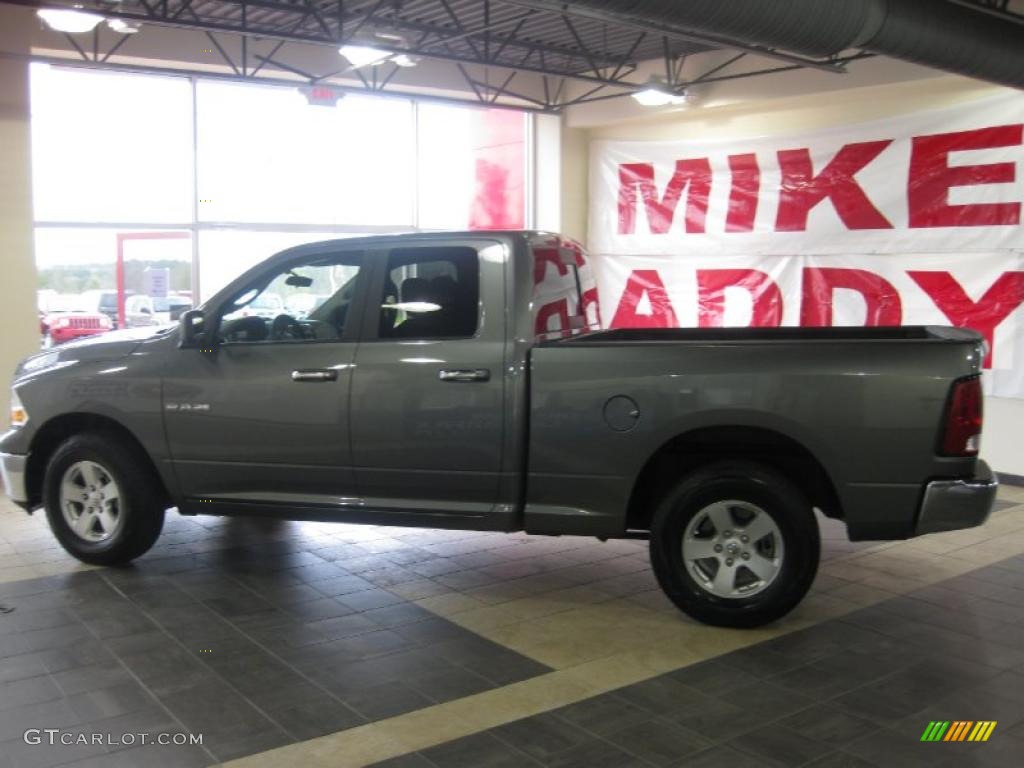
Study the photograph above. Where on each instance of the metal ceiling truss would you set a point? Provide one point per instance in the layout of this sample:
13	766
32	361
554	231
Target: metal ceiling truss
510	53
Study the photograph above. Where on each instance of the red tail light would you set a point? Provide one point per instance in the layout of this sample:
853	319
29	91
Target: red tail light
961	435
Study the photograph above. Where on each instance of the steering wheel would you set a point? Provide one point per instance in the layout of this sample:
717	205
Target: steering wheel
285	327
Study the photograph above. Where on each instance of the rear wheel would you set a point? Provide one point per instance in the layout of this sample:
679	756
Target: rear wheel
735	544
102	500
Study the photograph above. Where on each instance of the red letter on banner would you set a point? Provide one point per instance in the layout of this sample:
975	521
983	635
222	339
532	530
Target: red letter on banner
1002	298
692	174
711	285
802	190
559	309
746	184
541	258
883	302
931	178
640	282
589	297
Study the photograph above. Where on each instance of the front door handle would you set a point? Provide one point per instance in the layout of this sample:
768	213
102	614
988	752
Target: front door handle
315	374
464	374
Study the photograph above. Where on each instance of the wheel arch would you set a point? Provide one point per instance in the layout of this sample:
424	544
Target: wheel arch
701	446
58	429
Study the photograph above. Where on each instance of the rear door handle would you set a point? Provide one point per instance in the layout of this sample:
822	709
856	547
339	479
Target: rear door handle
464	374
316	374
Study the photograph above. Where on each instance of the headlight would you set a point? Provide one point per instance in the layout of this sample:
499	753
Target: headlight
19	416
39	362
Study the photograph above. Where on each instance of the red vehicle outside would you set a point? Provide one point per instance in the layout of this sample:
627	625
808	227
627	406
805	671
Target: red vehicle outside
59	327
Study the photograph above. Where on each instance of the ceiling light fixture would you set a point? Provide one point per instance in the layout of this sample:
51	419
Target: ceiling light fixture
70	20
390	35
404	60
658	94
124	27
363	55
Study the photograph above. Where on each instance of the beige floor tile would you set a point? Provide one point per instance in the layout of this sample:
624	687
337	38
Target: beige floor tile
449	604
415	590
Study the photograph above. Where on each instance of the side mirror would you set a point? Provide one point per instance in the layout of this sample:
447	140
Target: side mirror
192	324
145	310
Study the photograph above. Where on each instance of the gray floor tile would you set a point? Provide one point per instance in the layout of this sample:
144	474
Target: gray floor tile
229	749
841	760
481	750
377	702
721	756
216	711
541	737
779	747
659	742
829	725
92	677
21	666
887	747
603	714
24	755
595	753
314	715
112	701
28	691
445	682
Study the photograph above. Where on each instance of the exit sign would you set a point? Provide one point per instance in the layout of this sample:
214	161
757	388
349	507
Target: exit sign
321	95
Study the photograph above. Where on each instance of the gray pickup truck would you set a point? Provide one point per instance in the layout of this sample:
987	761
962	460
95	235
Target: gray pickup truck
463	381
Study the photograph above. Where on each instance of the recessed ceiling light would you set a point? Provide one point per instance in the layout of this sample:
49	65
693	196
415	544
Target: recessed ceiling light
70	20
363	55
124	27
656	95
404	60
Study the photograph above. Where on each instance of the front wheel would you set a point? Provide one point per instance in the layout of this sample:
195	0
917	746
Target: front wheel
101	500
735	544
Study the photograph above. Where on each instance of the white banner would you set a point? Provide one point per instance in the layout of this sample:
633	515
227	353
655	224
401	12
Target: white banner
913	221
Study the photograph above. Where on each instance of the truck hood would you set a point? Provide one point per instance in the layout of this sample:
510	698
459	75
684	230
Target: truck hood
103	346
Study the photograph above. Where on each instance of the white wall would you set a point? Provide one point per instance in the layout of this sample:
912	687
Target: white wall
779	111
18	319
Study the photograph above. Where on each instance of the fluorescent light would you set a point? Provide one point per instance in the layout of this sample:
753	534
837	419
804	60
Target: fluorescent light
404	60
124	27
363	55
390	35
69	20
658	96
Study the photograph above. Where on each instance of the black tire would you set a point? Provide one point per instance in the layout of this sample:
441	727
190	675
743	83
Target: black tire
141	508
754	484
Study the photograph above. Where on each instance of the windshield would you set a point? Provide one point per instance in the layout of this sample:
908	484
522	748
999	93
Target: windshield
267	301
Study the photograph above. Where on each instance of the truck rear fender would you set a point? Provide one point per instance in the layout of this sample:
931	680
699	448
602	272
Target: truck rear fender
692	449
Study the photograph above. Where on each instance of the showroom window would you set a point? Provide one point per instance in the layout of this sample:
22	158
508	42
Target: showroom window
172	186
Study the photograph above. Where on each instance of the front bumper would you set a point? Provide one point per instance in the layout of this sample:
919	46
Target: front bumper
64	335
949	505
12	467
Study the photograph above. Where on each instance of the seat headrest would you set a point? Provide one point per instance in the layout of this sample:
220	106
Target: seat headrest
443	289
415	289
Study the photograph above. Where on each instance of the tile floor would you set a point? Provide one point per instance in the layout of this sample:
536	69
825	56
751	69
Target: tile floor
319	644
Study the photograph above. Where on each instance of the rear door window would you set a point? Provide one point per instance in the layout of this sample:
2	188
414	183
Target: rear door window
430	293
